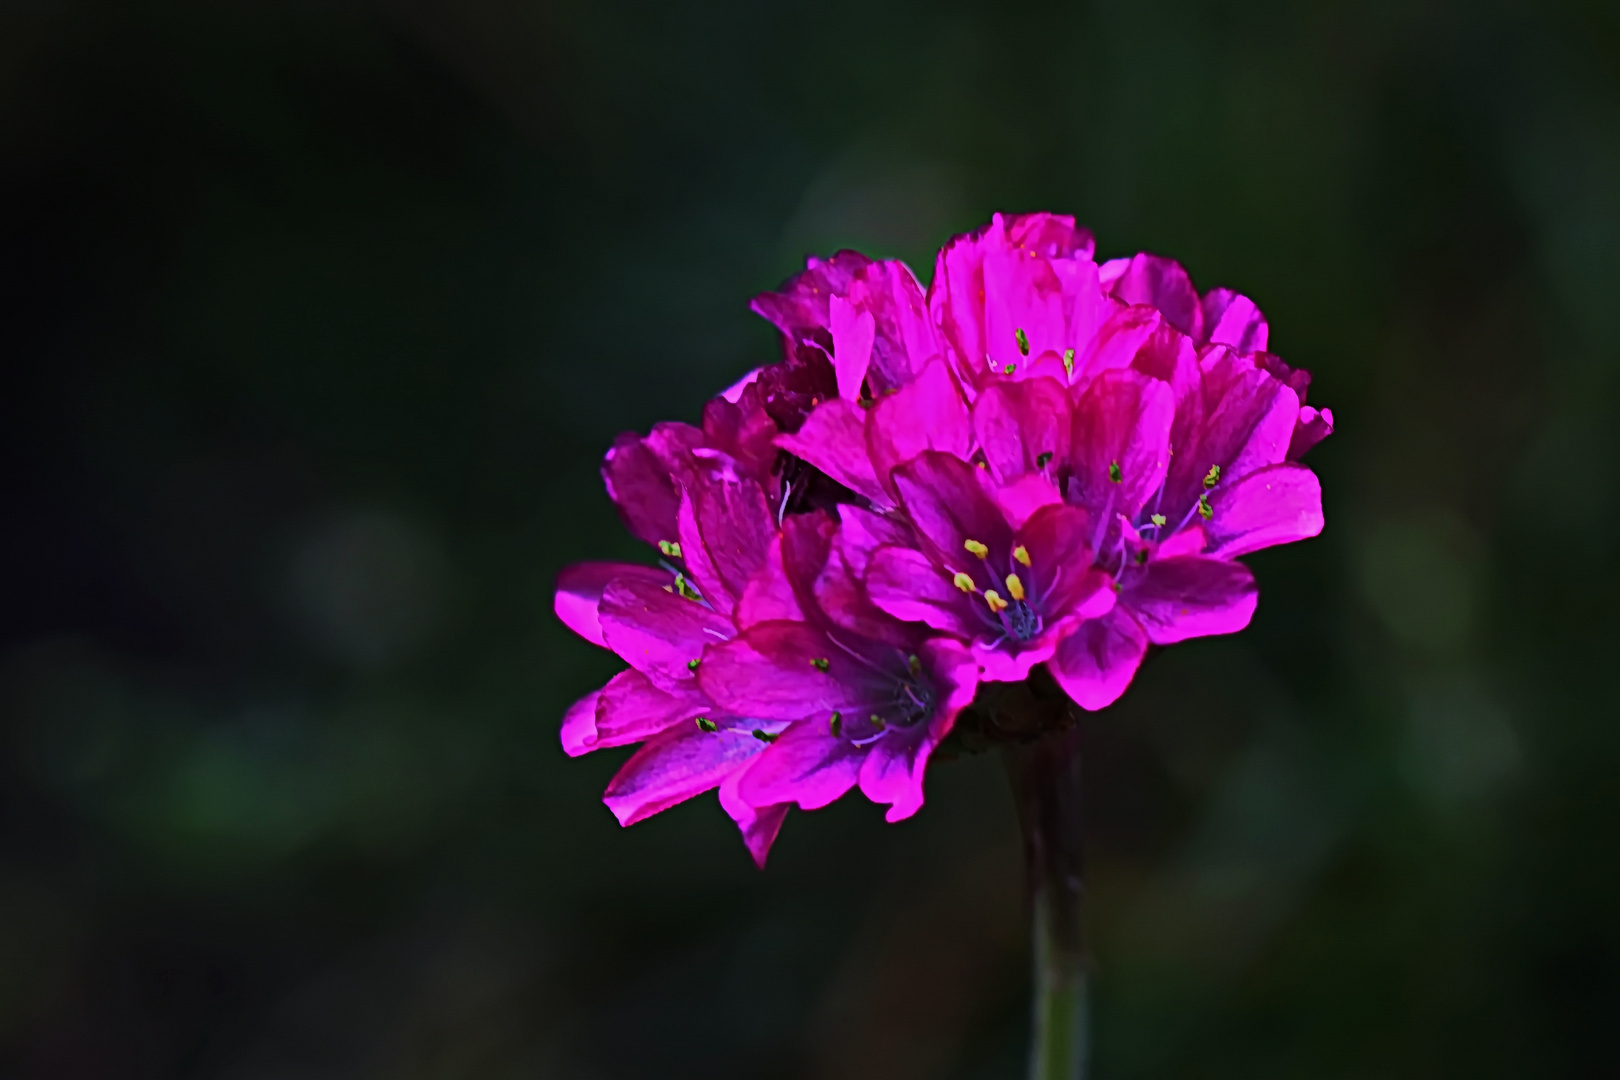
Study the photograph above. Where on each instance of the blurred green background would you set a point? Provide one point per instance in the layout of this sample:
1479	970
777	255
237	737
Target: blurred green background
317	317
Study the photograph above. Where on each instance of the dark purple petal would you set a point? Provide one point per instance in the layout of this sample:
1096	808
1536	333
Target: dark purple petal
806	765
658	632
948	506
799	307
1121	427
674	766
1059	576
909	586
1275	505
1191	596
579	593
638	481
1095	664
833	439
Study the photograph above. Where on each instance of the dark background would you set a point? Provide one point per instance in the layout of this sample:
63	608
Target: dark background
315	321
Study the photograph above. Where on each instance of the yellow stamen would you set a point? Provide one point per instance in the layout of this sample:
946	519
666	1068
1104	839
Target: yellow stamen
993	598
1015	588
965	583
1021	553
976	548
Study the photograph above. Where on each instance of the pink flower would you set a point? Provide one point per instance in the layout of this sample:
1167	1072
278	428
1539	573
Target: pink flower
1037	460
866	698
869	318
663	623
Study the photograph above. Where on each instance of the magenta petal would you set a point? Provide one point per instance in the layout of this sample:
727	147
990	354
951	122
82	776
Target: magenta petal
833	439
948	507
1117	342
1096	663
927	415
844	601
1276	505
1021	424
1012	661
1314	425
1019	500
1232	319
893	771
1059	575
734	392
768	673
1163	284
630	708
758	824
579	593
579	725
906	339
768	595
852	334
1192	596
639	485
729	531
674	766
800	307
805	765
1121	427
658	632
862	532
906	584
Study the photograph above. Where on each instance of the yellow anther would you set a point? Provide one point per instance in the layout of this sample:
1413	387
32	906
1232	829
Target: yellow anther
975	548
670	548
877	721
1015	587
963	582
1068	362
914	663
993	598
1021	553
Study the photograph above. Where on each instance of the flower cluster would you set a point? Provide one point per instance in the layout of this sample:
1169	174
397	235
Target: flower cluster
1038	460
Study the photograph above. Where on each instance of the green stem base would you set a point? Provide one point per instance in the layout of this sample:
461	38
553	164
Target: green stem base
1045	777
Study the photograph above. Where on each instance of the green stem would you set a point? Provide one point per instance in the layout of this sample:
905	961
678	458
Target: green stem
1046	782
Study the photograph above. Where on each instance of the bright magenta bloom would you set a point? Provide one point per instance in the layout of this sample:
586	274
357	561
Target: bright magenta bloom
1037	460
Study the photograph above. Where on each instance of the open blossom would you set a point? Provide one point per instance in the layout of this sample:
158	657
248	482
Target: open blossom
1036	460
867	697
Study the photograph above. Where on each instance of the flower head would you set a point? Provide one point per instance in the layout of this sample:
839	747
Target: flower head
1037	460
